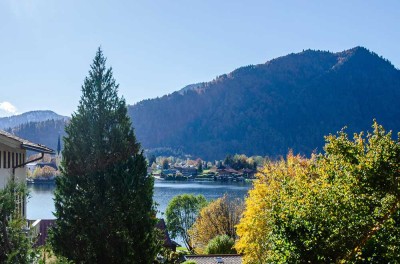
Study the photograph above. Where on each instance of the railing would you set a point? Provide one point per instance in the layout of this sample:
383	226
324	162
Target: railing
34	230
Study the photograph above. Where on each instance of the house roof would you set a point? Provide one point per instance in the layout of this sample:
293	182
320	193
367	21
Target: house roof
25	144
228	170
215	259
247	170
167	240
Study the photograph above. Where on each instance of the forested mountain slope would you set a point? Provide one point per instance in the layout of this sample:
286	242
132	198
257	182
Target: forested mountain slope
43	132
287	103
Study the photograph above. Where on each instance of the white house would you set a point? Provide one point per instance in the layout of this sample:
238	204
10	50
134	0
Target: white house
13	161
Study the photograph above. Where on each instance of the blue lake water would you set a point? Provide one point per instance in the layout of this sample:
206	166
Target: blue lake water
41	205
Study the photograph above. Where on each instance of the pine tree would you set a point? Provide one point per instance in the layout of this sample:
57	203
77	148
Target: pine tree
103	200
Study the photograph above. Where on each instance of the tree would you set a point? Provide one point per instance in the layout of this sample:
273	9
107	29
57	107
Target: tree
338	207
151	159
181	213
219	217
200	167
165	164
15	246
46	172
222	244
103	199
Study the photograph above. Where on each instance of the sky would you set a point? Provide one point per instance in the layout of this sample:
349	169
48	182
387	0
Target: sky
157	47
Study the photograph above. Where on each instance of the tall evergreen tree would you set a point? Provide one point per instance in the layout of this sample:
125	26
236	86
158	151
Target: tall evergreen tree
103	200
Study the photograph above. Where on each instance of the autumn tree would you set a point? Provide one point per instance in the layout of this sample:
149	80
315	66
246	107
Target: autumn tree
219	217
103	199
46	172
338	207
181	213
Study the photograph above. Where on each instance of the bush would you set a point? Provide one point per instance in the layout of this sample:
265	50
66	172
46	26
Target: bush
222	244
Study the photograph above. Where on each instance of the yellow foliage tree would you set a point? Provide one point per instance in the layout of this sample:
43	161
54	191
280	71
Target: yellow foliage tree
218	218
338	207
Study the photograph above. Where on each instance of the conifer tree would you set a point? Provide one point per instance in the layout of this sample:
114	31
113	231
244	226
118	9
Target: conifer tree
103	200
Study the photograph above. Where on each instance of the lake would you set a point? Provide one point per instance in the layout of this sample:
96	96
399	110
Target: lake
40	204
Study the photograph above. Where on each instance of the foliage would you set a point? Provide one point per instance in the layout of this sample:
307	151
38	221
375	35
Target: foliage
168	256
189	262
341	206
103	199
222	244
165	164
46	172
200	167
239	162
217	218
15	246
181	214
47	256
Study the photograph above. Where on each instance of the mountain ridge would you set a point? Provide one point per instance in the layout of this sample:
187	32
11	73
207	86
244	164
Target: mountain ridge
290	102
318	92
30	116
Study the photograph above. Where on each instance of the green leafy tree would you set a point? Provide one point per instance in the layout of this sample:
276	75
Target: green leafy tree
181	214
222	244
338	207
15	246
103	200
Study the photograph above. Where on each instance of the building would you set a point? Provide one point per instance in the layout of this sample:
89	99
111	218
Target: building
42	227
215	259
13	162
167	242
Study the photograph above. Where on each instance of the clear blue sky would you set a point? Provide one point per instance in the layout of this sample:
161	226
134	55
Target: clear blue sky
157	47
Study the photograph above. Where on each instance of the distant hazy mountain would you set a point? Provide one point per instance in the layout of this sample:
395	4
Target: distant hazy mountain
32	116
287	103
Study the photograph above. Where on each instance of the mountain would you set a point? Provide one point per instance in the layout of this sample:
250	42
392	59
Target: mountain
32	116
191	87
42	132
289	102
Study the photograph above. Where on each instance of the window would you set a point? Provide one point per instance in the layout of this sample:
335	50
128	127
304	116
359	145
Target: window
20	158
16	160
12	159
9	160
4	159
